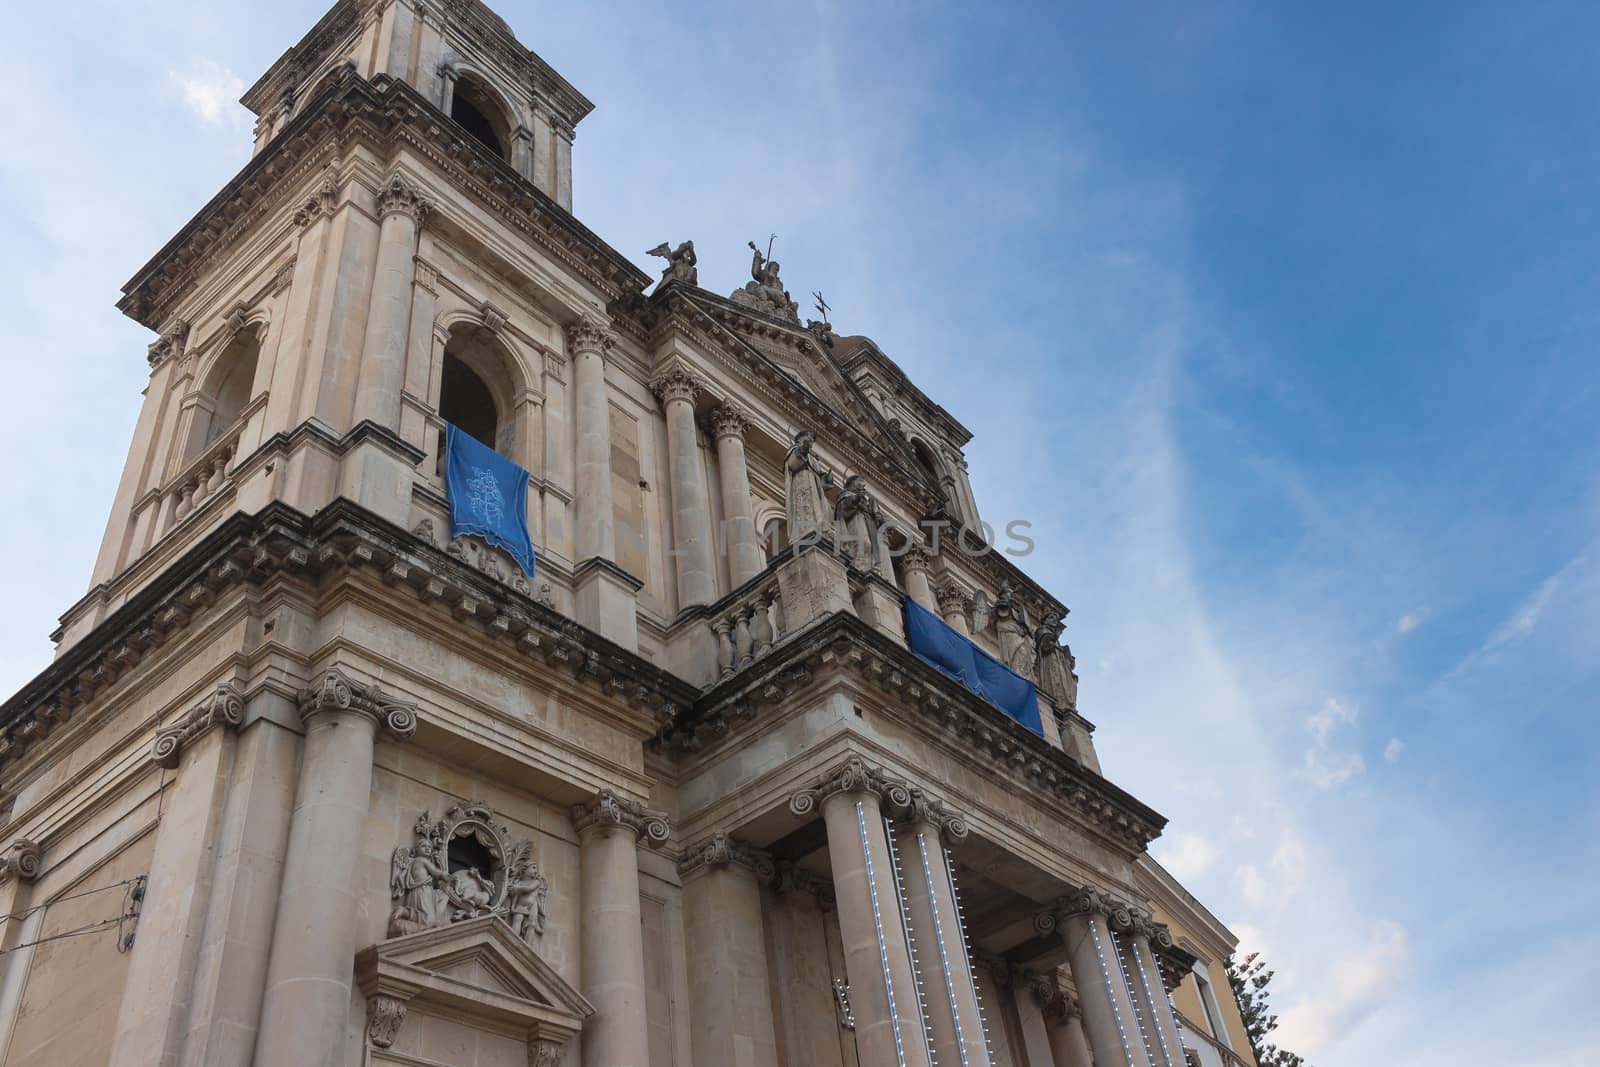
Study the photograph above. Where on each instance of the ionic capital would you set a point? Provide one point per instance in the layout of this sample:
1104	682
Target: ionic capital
337	691
21	860
729	420
676	384
724	851
1056	1006
1087	901
400	196
590	334
851	776
224	707
930	810
609	810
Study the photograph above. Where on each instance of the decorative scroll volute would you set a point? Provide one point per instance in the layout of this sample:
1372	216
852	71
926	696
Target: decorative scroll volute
21	861
851	776
337	691
224	707
607	809
724	851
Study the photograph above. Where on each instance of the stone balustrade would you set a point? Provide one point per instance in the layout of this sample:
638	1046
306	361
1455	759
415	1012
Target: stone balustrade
204	476
748	623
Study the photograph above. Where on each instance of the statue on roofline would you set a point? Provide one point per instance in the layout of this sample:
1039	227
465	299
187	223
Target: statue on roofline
858	525
680	262
765	292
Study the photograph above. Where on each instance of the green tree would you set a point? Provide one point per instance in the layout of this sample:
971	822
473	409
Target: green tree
1249	981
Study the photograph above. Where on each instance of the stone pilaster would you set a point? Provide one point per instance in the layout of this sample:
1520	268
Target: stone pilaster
307	999
588	341
1108	1018
402	210
745	559
612	939
889	1028
691	509
730	992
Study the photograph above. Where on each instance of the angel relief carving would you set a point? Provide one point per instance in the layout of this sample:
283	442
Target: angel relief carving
465	866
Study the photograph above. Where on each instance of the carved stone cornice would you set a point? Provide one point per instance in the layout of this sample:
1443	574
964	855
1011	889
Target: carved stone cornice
730	420
224	707
851	776
590	334
607	809
676	384
337	691
399	196
930	810
21	861
721	850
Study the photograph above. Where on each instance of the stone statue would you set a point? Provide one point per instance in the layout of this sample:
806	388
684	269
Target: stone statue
526	893
765	292
804	480
858	524
680	262
417	885
1055	664
471	893
1017	649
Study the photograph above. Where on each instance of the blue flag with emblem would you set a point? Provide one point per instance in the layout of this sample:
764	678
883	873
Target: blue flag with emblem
488	496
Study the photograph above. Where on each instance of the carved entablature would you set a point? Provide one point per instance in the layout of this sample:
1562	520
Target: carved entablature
486	874
851	776
337	691
224	707
722	850
607	809
21	861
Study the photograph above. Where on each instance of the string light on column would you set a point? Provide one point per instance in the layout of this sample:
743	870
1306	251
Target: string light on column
944	954
1111	990
1150	998
877	923
1133	996
911	942
965	943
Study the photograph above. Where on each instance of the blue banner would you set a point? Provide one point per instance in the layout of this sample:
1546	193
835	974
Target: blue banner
488	496
945	649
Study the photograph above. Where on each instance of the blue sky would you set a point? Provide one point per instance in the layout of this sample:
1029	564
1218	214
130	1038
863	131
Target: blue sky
1277	321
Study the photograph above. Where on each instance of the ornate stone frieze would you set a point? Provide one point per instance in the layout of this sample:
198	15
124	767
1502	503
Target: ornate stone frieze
676	384
608	809
428	894
384	1016
851	776
401	196
224	707
730	420
590	334
723	851
21	861
337	691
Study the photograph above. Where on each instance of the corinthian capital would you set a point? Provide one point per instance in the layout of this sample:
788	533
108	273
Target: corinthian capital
851	776
676	384
21	861
590	334
224	707
607	810
915	558
723	851
399	196
337	691
729	420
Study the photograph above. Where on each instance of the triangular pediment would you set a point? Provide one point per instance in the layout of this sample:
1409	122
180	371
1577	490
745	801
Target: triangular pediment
478	961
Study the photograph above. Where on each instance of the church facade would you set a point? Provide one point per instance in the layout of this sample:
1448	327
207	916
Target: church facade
312	781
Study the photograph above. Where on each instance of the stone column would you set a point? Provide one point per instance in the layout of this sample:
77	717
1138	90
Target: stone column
954	1025
1144	978
447	87
914	564
890	1031
745	558
588	341
954	605
612	936
1108	1018
1064	1024
154	1011
307	1000
19	866
730	991
383	350
691	507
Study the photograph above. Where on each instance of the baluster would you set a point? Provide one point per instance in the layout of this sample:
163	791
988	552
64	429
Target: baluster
741	635
214	473
760	626
185	499
724	646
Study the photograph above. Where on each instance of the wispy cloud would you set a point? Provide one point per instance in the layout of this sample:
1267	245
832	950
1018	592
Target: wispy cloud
1187	856
1408	622
1355	986
1322	765
210	92
1393	750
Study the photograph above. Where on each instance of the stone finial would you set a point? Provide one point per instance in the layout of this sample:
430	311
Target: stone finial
730	420
608	809
676	384
851	776
723	851
384	1016
21	860
337	691
590	334
224	707
400	196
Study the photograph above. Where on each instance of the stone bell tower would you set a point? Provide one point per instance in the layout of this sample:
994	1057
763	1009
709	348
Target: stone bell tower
311	781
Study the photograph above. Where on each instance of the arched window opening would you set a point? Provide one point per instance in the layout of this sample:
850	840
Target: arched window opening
931	465
476	388
775	537
472	106
232	383
466	402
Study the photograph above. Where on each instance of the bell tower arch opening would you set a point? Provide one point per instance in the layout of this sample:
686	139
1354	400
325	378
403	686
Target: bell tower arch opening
475	107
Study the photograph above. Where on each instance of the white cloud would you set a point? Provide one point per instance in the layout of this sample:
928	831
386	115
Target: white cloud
1408	622
210	91
1392	751
1333	715
1323	767
1354	986
1187	856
